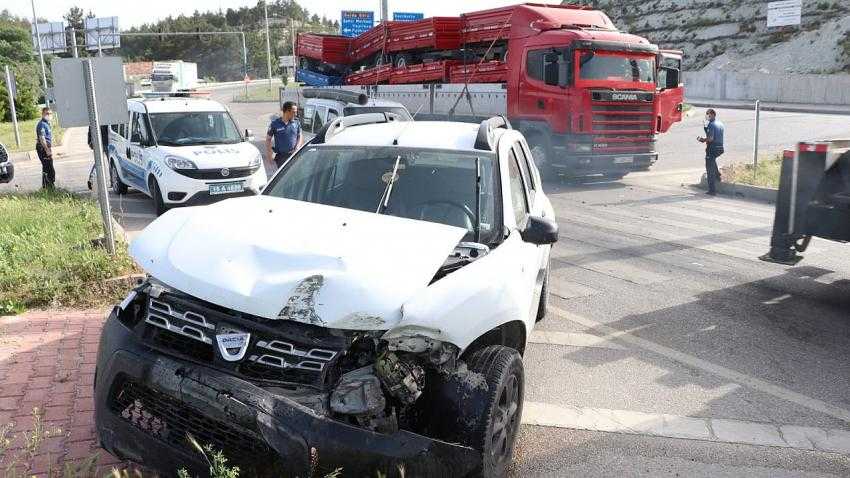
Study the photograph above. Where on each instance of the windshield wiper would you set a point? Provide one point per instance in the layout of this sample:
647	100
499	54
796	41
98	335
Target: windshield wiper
385	198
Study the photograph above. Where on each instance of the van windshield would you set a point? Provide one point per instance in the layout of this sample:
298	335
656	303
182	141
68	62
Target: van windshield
359	110
185	129
429	185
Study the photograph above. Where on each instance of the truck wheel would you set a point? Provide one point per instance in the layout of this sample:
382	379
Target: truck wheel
540	152
156	194
543	307
115	182
494	431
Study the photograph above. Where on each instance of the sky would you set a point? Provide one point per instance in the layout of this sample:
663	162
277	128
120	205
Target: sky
134	13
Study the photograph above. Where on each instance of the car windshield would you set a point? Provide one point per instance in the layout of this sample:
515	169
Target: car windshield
599	66
184	129
430	185
359	110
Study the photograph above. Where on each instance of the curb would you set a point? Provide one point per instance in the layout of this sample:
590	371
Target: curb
740	191
785	108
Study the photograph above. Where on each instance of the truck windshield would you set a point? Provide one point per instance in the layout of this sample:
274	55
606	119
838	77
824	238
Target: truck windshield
162	77
605	66
430	185
359	110
185	129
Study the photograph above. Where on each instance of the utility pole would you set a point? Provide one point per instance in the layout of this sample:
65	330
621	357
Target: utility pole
40	51
756	138
384	11
10	88
292	35
268	45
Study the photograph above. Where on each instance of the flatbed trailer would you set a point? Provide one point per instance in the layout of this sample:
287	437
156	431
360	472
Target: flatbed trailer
813	199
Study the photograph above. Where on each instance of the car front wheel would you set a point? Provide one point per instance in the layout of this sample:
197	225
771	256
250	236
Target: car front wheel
494	431
115	180
156	194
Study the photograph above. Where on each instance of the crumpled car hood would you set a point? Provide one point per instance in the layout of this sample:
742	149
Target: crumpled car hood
290	260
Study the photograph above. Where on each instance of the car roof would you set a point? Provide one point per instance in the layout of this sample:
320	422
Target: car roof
177	105
412	134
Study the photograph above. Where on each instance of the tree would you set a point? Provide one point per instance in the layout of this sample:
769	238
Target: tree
16	51
75	18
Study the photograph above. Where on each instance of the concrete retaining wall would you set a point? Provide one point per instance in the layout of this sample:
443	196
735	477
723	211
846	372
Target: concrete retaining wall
775	88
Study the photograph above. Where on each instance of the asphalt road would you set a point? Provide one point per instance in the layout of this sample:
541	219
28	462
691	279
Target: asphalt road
670	349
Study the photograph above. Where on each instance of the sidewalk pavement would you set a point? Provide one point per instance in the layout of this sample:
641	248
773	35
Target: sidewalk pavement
47	360
768	106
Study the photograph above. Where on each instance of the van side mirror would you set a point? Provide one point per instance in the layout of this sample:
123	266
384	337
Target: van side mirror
249	135
540	231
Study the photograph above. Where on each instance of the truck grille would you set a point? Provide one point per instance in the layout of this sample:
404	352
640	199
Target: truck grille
278	351
622	126
170	421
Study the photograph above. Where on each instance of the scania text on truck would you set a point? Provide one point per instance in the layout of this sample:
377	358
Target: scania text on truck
590	98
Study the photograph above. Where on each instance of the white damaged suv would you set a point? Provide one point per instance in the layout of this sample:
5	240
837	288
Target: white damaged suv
368	311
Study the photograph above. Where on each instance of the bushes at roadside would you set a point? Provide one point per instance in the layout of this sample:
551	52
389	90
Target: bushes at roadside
765	175
47	257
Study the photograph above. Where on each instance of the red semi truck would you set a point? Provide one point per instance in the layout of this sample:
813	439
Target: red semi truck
590	98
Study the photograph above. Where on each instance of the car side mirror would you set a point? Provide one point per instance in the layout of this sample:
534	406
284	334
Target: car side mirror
540	231
249	135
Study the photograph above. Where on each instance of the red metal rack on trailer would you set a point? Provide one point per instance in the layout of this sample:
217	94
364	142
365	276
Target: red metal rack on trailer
590	98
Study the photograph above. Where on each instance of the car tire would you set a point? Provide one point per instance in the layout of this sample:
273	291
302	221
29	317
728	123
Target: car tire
543	307
156	194
494	431
115	180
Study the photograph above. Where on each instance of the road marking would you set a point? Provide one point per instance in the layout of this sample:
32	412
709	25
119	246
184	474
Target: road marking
688	428
571	339
719	370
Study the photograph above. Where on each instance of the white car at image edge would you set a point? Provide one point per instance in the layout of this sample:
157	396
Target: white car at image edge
373	304
183	151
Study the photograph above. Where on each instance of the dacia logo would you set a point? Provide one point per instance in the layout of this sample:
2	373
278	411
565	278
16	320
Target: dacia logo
233	344
624	96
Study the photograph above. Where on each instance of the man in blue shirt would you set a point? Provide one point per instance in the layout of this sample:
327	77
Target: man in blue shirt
713	140
284	135
44	148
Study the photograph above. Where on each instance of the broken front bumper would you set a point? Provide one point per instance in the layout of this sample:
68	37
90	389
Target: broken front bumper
147	402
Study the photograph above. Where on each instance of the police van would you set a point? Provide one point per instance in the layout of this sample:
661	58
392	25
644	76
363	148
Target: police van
182	150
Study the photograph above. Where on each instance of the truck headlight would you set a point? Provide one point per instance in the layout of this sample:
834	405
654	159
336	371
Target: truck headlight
176	162
584	148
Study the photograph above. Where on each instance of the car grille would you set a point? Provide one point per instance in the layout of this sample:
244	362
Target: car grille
171	421
622	126
278	351
219	173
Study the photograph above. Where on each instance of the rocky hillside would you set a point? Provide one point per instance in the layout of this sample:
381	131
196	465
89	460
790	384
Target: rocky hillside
733	34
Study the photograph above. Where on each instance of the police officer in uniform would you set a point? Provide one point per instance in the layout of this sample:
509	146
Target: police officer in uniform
44	149
284	135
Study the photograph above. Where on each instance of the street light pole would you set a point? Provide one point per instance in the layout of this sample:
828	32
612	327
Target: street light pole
40	51
268	43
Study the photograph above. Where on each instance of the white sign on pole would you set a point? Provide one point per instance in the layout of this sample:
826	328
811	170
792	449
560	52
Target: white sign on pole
70	92
52	36
784	13
102	33
287	61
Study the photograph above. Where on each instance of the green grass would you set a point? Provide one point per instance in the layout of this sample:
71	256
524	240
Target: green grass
27	129
766	174
258	92
46	255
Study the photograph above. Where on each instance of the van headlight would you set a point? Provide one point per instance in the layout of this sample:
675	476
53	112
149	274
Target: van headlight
176	162
255	163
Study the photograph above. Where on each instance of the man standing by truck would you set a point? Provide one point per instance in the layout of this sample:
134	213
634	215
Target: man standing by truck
713	140
284	135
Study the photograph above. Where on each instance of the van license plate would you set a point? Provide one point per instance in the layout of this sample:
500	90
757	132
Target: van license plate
624	160
226	188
